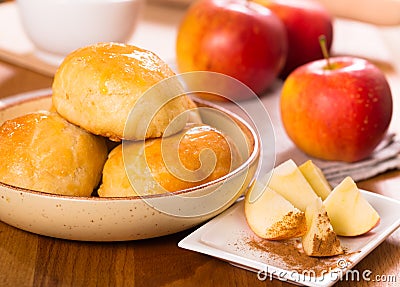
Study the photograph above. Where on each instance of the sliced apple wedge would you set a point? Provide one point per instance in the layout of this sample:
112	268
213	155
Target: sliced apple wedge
287	180
316	179
320	240
272	217
350	213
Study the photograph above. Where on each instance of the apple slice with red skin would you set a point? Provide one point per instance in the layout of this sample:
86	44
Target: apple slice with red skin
349	212
271	216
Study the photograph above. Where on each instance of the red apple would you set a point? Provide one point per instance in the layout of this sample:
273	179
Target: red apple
304	21
337	111
238	38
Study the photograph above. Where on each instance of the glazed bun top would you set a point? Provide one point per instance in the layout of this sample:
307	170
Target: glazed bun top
41	151
97	86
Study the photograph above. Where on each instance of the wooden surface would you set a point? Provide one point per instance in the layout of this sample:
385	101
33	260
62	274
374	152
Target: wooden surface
31	260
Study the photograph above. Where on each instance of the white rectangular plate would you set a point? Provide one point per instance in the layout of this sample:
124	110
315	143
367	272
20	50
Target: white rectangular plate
229	238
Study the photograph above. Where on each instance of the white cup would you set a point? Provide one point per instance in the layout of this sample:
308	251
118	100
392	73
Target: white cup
58	27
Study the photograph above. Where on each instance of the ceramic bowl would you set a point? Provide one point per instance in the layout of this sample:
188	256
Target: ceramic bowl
57	27
132	218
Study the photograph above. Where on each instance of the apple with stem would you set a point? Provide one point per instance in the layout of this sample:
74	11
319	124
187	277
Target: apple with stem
337	108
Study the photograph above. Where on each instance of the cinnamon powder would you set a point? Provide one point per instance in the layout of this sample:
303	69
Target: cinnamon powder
289	255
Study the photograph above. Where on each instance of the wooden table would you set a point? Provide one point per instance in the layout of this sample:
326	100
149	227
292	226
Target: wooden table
31	260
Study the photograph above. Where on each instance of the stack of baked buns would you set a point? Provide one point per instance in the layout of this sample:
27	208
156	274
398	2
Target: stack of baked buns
92	144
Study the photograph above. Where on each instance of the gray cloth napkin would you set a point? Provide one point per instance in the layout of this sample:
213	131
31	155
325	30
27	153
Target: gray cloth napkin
385	157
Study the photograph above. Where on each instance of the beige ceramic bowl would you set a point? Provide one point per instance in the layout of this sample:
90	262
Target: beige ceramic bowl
117	219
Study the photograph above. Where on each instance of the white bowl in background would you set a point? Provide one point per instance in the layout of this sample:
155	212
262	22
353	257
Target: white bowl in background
58	27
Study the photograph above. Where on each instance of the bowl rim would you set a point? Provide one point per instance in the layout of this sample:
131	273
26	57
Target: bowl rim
41	94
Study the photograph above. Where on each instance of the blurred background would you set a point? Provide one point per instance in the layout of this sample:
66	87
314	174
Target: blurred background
368	28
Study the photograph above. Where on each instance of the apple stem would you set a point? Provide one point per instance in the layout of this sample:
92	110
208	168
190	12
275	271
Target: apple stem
322	43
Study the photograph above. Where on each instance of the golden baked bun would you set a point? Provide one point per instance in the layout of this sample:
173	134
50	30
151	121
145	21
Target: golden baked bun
43	152
97	86
169	164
